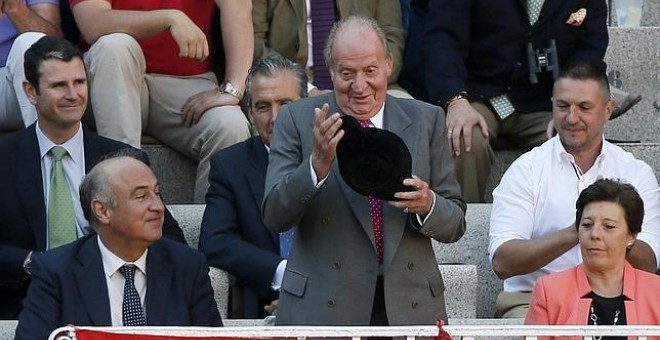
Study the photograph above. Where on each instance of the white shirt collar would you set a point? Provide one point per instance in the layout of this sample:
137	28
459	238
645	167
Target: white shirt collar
74	146
563	155
377	120
112	262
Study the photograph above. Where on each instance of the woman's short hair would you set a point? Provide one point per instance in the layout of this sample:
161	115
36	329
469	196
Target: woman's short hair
615	191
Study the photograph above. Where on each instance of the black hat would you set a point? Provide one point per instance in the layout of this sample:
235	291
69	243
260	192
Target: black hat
373	162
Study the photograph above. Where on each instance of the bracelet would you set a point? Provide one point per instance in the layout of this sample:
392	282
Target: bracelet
459	96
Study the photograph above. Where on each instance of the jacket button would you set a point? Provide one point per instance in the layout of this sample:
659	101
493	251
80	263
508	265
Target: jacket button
331	303
415	304
411	266
336	265
325	220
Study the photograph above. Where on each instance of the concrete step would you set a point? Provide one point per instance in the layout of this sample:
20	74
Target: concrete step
633	59
649	16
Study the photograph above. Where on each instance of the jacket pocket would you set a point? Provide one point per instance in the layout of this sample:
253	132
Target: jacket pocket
436	284
294	283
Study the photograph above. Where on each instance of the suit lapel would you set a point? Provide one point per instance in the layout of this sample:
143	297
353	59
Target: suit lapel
29	179
90	281
159	280
255	175
548	12
358	203
90	150
397	121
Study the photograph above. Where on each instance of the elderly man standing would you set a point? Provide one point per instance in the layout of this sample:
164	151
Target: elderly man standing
233	235
356	263
125	274
532	230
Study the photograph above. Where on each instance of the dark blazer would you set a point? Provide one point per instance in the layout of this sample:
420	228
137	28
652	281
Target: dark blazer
69	287
479	46
233	235
332	272
23	220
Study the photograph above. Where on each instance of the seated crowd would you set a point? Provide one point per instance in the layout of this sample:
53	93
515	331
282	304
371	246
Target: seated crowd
310	223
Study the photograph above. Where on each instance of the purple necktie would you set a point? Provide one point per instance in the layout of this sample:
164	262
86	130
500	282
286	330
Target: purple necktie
376	212
324	15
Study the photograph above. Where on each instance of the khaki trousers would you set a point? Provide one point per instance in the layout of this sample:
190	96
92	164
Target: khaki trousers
126	102
518	131
16	111
510	305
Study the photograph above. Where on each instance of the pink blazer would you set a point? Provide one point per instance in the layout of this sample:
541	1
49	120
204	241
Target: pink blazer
562	298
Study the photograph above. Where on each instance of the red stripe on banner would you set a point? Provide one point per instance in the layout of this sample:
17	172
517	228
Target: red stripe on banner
85	334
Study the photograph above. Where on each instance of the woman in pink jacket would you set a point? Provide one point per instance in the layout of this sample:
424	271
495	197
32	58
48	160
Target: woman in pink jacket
604	289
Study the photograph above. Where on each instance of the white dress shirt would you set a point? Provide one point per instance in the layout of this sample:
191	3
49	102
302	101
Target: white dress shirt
74	169
115	281
537	196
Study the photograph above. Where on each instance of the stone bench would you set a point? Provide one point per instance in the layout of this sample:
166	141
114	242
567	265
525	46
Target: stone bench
460	280
472	249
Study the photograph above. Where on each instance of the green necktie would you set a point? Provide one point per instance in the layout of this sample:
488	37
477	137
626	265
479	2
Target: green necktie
533	10
61	218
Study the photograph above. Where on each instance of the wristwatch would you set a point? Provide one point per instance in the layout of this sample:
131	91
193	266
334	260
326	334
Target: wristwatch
460	95
27	264
228	88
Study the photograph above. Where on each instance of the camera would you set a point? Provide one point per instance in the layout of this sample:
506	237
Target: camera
543	60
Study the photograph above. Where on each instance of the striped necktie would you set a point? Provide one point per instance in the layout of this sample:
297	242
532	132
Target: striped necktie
323	15
376	213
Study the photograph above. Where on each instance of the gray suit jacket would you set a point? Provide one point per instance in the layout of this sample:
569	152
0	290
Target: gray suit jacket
331	274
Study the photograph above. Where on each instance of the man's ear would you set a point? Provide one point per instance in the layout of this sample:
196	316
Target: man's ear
609	108
101	212
30	91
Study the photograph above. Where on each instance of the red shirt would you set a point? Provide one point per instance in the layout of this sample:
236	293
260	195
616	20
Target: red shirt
161	51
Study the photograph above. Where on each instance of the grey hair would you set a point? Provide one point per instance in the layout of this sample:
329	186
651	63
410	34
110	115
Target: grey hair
271	66
95	186
356	23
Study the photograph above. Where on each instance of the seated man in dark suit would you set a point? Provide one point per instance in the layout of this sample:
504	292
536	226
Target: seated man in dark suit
33	217
233	235
125	274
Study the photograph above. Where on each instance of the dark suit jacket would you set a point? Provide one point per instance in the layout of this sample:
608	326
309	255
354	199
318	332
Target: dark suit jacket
69	287
233	235
331	274
23	220
479	46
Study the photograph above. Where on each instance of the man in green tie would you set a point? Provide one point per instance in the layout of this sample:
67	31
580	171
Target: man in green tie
44	165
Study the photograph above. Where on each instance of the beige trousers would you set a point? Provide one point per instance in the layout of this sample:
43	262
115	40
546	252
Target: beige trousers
519	131
510	305
16	111
126	102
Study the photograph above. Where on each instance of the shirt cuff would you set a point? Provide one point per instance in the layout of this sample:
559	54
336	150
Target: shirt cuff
310	87
419	218
318	184
279	274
